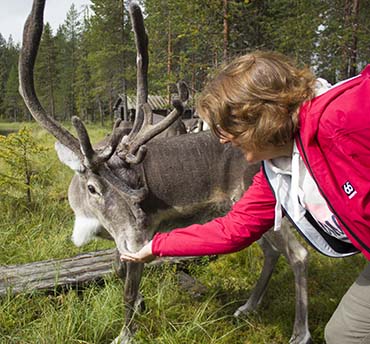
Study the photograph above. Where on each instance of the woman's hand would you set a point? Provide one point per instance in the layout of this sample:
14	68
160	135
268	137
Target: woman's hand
145	255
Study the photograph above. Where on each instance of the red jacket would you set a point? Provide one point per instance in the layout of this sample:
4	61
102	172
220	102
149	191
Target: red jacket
334	142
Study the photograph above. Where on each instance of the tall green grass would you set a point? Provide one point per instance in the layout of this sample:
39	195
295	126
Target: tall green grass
172	316
42	229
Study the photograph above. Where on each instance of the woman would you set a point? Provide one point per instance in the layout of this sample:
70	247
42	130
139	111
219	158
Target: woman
314	141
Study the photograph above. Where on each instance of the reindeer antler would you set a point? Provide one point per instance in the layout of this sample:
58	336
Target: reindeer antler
132	149
142	62
148	131
31	40
93	158
183	91
82	148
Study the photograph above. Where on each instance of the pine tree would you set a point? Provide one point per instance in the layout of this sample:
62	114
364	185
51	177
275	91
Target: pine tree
67	43
45	73
185	45
110	53
84	85
19	166
9	52
3	72
12	99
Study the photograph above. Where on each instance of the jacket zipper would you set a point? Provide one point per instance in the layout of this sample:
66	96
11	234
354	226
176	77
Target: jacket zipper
327	201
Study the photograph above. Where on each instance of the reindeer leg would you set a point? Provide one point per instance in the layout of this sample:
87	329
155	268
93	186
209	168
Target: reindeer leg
271	257
119	266
133	301
120	269
297	257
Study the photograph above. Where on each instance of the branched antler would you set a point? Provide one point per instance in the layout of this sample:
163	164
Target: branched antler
183	91
31	40
149	131
142	62
132	149
94	159
82	148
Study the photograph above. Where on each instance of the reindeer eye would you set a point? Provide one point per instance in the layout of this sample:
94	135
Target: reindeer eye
91	189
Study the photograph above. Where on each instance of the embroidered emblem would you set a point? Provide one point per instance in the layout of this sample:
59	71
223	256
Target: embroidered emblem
349	189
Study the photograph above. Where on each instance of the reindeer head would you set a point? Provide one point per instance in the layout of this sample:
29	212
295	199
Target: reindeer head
108	187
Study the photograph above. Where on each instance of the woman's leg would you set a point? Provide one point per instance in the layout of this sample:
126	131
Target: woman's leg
350	323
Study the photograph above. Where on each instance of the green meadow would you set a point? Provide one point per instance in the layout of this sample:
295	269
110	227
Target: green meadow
41	229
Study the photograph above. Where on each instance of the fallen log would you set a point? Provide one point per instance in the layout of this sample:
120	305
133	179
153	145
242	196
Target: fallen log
49	274
69	272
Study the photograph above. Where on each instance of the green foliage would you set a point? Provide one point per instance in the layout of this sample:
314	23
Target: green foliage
12	102
19	169
108	44
3	69
67	42
91	59
84	83
46	72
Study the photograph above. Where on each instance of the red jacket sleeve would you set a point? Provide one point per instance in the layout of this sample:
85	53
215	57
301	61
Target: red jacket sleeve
245	223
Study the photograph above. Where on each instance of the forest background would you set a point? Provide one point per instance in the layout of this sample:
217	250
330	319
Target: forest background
90	59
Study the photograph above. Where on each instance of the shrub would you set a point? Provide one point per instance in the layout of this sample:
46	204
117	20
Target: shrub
20	167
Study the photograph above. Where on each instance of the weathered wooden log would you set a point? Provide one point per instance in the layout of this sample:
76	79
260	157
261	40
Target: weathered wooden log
49	274
69	272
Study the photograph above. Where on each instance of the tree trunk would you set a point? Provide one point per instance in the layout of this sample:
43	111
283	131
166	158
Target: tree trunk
193	77
169	59
101	112
353	48
125	108
351	12
226	29
347	11
123	116
110	104
215	58
51	85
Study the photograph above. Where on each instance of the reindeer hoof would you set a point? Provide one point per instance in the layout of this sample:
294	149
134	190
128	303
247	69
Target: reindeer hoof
301	339
244	310
140	304
124	338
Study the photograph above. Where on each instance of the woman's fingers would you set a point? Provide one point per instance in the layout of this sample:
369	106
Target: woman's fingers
137	258
142	256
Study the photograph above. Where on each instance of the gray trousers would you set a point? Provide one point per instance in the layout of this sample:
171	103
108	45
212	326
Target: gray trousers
350	323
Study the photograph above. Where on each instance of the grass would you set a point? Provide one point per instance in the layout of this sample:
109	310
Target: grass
47	222
172	316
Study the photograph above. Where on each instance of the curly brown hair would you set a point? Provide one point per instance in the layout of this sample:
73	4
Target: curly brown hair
256	98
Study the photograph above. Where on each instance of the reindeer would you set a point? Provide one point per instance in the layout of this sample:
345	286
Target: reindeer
128	185
195	124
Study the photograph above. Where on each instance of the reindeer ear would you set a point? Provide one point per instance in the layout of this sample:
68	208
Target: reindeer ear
69	158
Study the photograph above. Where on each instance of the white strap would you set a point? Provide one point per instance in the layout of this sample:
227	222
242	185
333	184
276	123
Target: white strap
296	193
278	212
